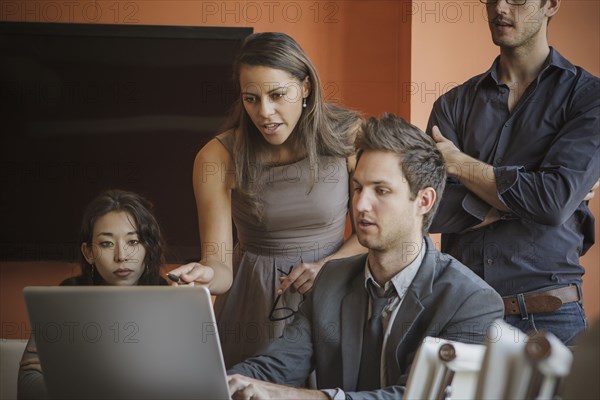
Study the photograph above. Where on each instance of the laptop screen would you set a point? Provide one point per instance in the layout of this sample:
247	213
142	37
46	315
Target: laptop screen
127	342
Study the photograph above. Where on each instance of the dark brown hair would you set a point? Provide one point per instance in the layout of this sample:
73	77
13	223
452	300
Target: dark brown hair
139	210
421	162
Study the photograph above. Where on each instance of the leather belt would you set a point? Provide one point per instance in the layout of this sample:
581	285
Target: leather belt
543	301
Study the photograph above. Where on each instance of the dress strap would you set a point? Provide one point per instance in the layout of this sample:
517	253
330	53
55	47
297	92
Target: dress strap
227	140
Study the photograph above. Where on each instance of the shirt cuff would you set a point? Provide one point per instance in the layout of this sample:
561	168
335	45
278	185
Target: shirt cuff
335	394
475	206
506	177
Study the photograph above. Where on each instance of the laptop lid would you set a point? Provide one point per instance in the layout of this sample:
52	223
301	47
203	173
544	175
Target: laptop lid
146	342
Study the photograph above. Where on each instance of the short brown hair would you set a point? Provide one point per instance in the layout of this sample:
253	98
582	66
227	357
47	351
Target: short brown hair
421	162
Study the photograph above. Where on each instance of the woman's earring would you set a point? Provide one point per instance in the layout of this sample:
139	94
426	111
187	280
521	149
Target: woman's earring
92	271
304	102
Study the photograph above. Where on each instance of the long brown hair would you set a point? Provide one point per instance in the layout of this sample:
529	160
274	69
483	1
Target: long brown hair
323	129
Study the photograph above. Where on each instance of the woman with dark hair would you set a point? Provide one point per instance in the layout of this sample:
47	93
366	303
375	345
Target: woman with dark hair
143	243
121	245
281	170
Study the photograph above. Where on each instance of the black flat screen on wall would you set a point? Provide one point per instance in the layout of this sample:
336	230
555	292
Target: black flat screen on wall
85	108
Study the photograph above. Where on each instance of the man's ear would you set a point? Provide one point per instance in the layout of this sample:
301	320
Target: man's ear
425	200
88	253
552	7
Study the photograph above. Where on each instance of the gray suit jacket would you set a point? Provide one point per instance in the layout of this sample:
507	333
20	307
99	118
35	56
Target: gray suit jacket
446	299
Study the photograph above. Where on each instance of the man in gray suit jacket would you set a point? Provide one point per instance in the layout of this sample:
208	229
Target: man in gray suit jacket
365	317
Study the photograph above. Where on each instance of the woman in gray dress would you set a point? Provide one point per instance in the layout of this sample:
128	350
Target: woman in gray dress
281	171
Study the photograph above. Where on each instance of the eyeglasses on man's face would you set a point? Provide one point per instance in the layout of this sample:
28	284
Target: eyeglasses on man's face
282	313
511	2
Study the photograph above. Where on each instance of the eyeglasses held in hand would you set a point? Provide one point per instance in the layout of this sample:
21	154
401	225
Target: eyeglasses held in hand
511	2
282	313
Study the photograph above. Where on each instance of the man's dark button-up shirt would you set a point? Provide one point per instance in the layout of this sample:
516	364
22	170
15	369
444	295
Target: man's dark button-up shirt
545	155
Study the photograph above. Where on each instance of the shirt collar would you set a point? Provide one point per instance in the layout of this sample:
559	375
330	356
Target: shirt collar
402	279
554	60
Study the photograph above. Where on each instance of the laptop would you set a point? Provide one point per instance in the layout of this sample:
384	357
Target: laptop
115	342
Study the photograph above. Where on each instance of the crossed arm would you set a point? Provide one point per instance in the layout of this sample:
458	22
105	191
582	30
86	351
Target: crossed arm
548	195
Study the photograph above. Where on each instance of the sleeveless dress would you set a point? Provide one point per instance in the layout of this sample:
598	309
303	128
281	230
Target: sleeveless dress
298	224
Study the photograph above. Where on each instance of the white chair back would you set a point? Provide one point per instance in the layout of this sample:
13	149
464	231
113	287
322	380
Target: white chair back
504	366
11	351
521	367
443	368
551	362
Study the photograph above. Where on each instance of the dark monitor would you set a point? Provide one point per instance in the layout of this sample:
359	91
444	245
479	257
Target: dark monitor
89	107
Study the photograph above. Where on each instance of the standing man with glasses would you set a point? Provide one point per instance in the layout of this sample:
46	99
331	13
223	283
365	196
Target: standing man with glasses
365	317
520	143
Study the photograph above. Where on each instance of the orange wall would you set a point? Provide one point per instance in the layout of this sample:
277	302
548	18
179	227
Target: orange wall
451	42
